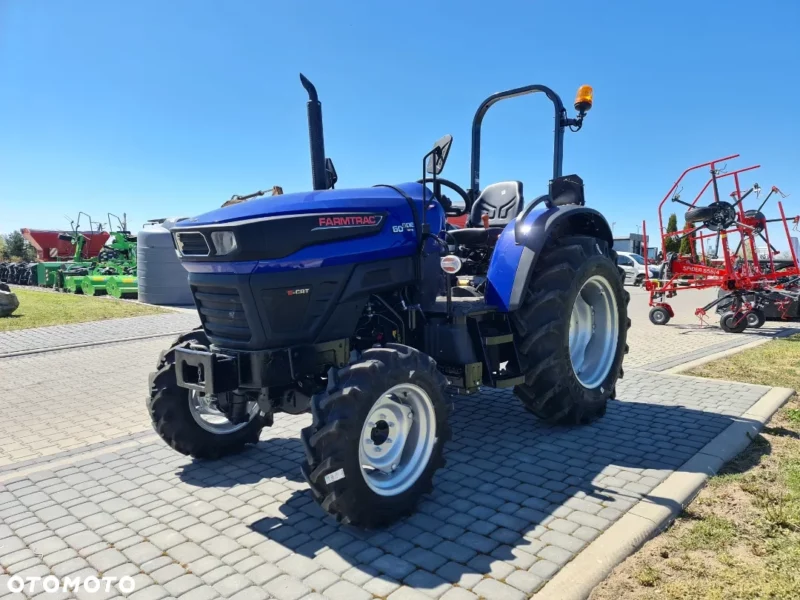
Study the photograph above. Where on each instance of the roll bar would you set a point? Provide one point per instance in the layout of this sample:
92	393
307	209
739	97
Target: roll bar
561	122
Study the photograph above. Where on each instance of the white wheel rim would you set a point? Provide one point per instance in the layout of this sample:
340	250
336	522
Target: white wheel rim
593	332
397	439
210	418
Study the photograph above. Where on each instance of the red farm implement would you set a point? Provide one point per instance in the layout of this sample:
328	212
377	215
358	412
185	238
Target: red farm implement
752	280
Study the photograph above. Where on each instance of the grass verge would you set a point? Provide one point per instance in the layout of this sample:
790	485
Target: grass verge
40	308
740	538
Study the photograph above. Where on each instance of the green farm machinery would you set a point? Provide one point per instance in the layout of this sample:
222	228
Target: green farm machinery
114	273
53	274
101	263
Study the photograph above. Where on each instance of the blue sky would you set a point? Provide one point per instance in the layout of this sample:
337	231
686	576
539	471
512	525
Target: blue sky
168	108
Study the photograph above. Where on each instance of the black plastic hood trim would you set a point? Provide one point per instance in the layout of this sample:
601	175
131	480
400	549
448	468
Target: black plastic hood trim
268	238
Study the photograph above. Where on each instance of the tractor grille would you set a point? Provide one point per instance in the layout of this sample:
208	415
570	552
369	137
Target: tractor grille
221	312
192	243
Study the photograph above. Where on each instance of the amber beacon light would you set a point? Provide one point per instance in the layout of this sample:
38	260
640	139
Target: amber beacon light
584	98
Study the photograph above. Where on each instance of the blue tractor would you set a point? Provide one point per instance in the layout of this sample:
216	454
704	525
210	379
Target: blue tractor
368	309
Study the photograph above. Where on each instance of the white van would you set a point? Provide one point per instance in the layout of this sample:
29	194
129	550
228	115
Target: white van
633	265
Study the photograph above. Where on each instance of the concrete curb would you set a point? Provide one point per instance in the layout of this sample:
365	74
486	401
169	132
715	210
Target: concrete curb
89	344
716	356
660	507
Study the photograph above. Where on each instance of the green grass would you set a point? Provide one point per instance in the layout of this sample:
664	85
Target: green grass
648	576
709	533
40	309
740	538
776	363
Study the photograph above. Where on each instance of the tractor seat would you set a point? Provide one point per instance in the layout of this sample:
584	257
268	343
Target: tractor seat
502	202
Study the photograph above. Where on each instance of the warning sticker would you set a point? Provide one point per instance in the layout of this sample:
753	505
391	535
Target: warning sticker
335	476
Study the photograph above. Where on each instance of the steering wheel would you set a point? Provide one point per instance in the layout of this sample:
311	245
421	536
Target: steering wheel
444	200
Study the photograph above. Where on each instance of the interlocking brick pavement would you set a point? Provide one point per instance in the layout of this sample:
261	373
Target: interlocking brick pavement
660	347
40	338
517	500
67	399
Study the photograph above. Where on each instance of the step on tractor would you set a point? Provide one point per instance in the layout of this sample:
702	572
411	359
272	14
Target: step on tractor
366	309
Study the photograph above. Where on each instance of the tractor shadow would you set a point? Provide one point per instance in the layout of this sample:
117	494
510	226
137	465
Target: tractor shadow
515	494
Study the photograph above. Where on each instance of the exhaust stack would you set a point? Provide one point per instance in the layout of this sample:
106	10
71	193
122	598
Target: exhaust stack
316	138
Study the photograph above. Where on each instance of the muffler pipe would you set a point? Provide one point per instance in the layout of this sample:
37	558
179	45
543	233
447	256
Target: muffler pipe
316	138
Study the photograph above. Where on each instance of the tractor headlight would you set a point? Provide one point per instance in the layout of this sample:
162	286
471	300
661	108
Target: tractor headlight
224	242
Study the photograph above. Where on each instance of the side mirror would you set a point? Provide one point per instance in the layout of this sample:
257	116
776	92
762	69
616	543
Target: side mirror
438	158
330	171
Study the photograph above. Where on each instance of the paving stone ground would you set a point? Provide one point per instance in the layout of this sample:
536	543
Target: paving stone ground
97	331
517	500
657	348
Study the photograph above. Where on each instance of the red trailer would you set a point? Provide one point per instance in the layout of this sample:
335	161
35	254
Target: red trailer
49	247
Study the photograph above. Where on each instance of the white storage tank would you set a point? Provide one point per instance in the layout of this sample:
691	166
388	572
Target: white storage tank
162	278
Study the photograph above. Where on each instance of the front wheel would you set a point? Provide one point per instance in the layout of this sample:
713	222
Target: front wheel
188	421
571	331
733	322
659	315
377	436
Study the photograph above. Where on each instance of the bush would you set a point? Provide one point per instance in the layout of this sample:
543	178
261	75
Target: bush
672	245
15	247
688	245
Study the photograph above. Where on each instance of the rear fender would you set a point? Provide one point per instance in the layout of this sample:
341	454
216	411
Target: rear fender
521	243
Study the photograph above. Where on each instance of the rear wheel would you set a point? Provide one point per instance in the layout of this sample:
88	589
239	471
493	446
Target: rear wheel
733	322
659	315
377	436
187	420
571	331
756	318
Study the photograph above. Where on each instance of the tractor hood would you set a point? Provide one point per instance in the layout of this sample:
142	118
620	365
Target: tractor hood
304	203
275	227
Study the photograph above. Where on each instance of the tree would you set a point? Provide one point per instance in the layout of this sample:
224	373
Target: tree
688	245
672	245
17	247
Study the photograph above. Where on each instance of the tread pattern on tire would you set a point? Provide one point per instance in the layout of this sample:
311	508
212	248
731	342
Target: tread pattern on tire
331	442
168	405
539	330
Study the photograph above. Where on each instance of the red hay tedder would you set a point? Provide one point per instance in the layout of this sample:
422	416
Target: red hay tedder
748	284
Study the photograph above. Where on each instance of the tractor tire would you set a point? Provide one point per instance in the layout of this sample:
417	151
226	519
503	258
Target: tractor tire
196	335
699	213
547	322
175	421
659	316
756	318
733	322
359	416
